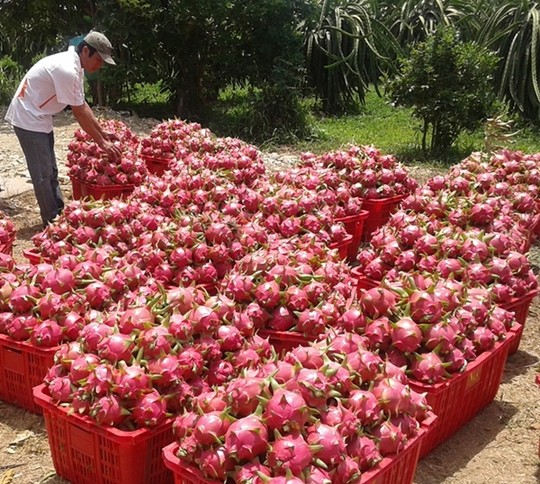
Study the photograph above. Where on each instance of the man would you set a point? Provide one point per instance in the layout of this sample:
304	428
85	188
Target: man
49	86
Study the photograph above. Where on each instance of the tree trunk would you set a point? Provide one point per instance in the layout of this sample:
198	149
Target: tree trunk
424	134
99	90
190	103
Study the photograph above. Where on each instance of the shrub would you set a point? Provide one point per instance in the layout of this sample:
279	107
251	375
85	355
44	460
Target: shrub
10	76
448	84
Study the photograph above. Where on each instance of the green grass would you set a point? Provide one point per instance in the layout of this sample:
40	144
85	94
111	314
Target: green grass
379	124
147	100
396	131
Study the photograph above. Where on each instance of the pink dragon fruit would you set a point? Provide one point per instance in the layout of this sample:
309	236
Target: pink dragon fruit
82	367
130	380
365	451
246	438
365	406
428	368
366	363
243	395
59	281
285	410
219	372
150	409
311	357
314	387
424	307
116	347
330	442
344	419
184	424
92	334
107	411
165	371
268	294
289	453
251	473
390	438
48	333
215	462
60	389
440	335
190	362
393	396
211	428
406	335
348	470
377	302
155	341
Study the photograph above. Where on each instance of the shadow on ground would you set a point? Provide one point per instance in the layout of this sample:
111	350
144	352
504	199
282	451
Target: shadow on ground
518	364
27	233
454	454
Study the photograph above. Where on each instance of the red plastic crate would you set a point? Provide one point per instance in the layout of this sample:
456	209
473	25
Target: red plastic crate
395	469
103	192
354	225
342	246
458	399
22	367
285	340
75	189
520	307
86	453
183	473
156	166
379	212
401	468
362	282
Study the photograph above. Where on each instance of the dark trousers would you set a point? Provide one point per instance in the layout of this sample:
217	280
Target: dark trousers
38	149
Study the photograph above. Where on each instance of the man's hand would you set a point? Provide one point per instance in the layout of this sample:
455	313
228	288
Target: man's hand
90	124
110	136
113	152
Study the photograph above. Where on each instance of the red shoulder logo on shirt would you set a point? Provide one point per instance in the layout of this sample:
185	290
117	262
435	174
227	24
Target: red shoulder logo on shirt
22	92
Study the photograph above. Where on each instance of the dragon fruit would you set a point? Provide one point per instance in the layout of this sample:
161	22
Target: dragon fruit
285	410
246	438
331	444
150	409
289	453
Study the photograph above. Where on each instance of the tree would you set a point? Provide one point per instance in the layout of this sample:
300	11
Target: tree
196	47
448	83
347	48
510	28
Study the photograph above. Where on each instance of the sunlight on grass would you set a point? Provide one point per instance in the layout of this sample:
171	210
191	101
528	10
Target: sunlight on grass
396	131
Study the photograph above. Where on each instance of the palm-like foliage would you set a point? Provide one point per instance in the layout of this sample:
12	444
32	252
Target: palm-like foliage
347	48
517	79
414	21
486	22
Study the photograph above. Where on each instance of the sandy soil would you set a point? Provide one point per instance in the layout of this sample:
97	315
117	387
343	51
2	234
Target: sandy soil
500	445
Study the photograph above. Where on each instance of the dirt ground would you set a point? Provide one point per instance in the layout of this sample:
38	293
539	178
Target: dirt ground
500	445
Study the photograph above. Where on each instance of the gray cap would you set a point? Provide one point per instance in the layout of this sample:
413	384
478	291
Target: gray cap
102	45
